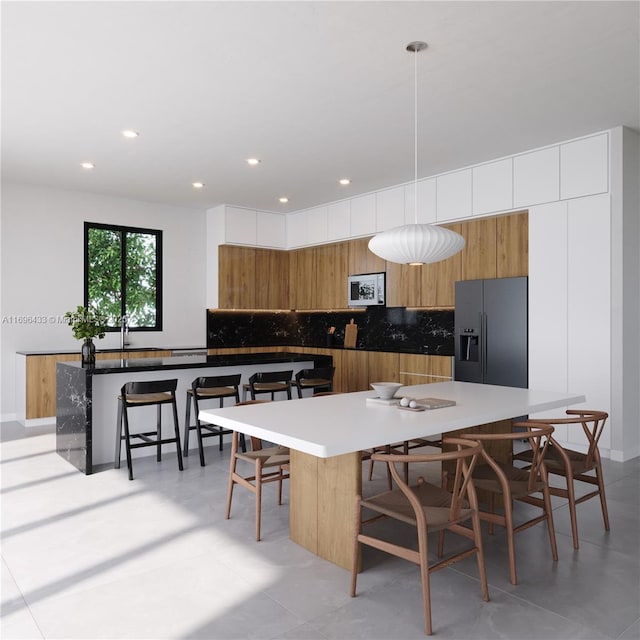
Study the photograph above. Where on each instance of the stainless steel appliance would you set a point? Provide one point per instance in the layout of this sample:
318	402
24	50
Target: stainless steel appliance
491	344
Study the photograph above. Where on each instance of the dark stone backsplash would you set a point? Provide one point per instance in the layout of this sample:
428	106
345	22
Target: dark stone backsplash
379	329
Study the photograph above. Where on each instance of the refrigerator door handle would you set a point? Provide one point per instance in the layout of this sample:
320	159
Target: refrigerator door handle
485	349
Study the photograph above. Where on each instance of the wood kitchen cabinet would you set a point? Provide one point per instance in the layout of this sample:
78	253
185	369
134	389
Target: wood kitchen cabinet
252	278
361	260
302	279
331	271
236	277
479	254
354	367
416	368
271	279
404	285
438	278
512	242
383	367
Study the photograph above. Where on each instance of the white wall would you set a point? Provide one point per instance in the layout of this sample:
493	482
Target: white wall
43	270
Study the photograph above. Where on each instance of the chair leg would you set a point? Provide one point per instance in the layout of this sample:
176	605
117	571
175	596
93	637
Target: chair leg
280	474
187	427
127	443
356	547
550	526
508	518
258	497
571	496
196	407
232	472
159	433
118	437
424	577
482	569
603	499
176	428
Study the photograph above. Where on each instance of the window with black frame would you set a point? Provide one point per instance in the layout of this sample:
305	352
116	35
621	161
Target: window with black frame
123	275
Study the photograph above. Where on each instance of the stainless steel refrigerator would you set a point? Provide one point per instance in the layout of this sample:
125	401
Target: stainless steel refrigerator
491	318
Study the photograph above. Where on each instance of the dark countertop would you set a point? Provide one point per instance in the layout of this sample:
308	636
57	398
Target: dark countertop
193	362
54	352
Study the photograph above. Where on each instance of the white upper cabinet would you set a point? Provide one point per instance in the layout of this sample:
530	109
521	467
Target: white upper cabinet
536	177
270	230
493	187
389	208
317	225
339	220
453	195
240	226
426	190
363	215
584	167
296	230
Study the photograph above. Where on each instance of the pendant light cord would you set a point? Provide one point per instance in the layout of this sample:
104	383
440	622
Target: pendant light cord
415	136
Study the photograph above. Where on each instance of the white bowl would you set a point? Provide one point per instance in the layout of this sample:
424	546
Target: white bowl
386	390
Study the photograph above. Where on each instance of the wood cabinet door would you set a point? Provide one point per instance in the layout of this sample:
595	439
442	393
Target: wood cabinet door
416	368
331	276
383	366
361	260
355	370
302	279
512	258
236	277
404	285
479	253
438	279
272	279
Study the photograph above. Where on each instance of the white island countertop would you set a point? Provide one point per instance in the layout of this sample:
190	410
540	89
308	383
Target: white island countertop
343	423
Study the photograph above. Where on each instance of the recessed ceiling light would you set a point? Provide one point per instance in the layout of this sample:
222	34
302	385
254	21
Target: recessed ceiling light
87	165
253	161
197	185
130	133
344	181
284	200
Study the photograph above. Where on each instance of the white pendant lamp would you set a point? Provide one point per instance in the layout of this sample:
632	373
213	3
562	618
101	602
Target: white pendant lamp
416	244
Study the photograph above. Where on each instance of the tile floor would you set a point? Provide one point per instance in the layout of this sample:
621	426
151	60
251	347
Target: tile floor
101	557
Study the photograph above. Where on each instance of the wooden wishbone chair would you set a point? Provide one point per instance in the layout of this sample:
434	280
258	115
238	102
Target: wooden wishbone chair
428	508
576	465
513	483
269	465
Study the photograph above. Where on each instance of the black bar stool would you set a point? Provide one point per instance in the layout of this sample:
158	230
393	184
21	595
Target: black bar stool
270	382
318	379
144	394
210	388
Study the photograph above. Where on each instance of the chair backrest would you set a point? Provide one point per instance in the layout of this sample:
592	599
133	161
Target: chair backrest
592	424
465	455
208	382
151	386
538	435
271	376
319	373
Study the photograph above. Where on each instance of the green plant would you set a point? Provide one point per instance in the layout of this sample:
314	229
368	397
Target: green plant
86	323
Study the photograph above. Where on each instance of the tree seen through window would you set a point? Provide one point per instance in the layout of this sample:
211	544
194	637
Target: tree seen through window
123	275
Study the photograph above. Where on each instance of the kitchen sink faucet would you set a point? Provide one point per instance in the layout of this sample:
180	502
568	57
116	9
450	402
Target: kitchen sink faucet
124	331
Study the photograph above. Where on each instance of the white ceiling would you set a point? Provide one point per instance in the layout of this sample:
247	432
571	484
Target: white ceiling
316	90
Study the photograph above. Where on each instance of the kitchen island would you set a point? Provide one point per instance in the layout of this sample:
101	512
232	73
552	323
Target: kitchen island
86	397
327	434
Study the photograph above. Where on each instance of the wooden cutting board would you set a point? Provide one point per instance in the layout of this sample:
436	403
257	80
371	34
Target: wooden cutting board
350	335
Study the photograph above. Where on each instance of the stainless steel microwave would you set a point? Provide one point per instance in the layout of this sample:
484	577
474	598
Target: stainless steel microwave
366	289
